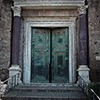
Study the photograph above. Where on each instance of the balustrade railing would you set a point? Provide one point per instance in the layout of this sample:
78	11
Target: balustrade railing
84	86
95	96
9	83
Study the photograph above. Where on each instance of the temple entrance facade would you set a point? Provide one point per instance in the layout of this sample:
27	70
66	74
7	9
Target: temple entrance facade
50	34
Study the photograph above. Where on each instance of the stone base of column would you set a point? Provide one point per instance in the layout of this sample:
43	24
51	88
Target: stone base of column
14	70
83	72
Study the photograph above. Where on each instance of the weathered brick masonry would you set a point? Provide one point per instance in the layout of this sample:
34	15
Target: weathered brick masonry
5	37
94	39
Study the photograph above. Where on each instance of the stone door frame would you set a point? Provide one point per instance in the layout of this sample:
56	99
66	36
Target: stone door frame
27	47
79	6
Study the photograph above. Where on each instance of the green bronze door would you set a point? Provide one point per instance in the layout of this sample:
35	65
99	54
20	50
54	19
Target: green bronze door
40	55
49	55
60	55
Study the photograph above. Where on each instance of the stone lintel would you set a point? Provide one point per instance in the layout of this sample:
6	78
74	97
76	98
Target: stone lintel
37	4
58	13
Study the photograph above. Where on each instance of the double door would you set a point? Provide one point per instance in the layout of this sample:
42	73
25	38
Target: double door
50	55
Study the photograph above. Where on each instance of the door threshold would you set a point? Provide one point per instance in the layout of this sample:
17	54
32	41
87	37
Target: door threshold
51	84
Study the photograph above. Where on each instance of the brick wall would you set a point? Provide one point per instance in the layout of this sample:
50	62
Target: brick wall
5	37
94	39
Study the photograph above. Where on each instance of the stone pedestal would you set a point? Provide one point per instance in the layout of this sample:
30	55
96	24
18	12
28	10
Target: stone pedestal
83	71
15	70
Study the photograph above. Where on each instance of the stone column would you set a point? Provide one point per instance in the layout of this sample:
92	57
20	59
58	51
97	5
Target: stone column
83	69
16	35
14	69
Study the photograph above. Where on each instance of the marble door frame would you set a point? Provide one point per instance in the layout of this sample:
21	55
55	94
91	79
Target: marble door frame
27	47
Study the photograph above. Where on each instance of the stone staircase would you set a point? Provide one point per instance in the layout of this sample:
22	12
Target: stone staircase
45	92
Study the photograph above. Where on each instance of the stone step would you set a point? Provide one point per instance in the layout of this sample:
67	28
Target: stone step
24	98
45	92
52	88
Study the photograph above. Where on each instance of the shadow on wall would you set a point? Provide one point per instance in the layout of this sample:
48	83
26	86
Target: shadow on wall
95	87
3	74
95	75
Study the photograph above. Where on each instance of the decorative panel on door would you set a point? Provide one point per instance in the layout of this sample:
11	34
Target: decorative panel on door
60	55
50	55
40	50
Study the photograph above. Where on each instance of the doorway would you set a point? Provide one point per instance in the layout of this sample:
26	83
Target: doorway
49	55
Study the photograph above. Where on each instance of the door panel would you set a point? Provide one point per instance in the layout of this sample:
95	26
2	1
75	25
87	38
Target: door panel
40	50
60	51
50	47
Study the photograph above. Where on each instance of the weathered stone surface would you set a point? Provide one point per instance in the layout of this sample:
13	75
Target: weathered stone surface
83	39
5	37
50	13
94	38
94	34
45	92
50	1
3	73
